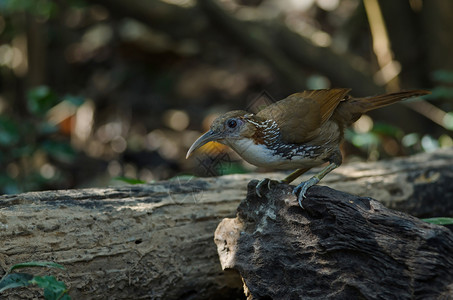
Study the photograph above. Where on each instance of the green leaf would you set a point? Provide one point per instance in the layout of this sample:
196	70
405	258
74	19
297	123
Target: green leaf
22	151
9	131
439	221
45	128
386	129
53	289
443	76
29	264
365	139
60	150
230	168
439	92
43	8
40	100
8	185
10	281
129	180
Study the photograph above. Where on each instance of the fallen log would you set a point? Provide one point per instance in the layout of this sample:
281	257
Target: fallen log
156	240
135	242
339	246
419	185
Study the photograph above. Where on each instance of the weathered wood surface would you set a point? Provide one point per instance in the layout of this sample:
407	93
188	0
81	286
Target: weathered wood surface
420	185
156	240
339	246
139	242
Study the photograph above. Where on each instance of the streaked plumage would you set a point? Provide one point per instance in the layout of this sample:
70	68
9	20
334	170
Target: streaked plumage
299	132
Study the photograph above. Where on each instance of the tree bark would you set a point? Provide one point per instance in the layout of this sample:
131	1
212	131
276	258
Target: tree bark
135	242
339	246
419	185
156	240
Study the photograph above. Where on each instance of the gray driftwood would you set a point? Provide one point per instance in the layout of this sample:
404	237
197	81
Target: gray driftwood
156	240
338	247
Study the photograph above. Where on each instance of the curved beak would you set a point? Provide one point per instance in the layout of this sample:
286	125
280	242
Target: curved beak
209	136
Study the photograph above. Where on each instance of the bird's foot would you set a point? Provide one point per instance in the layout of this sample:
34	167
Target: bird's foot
303	187
265	182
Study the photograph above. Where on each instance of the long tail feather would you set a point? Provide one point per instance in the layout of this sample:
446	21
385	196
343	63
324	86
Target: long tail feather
374	102
350	110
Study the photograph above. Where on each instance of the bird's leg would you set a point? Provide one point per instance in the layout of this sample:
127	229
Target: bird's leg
290	178
334	162
305	185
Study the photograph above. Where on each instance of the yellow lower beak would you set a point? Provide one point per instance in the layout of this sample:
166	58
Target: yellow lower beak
209	136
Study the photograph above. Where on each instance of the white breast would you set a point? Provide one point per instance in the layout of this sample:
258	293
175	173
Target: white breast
259	155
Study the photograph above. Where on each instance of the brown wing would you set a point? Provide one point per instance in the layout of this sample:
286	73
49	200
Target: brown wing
300	115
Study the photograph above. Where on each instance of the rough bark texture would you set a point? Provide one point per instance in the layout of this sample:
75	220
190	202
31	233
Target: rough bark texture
419	185
339	247
156	240
138	242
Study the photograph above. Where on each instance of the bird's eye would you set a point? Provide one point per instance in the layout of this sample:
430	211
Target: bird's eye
232	123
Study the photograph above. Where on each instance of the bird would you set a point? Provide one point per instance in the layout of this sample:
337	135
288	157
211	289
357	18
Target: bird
300	132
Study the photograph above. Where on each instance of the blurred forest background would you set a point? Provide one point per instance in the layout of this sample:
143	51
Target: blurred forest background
96	90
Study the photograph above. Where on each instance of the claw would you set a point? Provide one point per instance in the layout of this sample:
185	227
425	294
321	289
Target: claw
263	182
260	185
302	189
269	183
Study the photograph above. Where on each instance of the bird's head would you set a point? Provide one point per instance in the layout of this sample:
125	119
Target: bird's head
226	129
